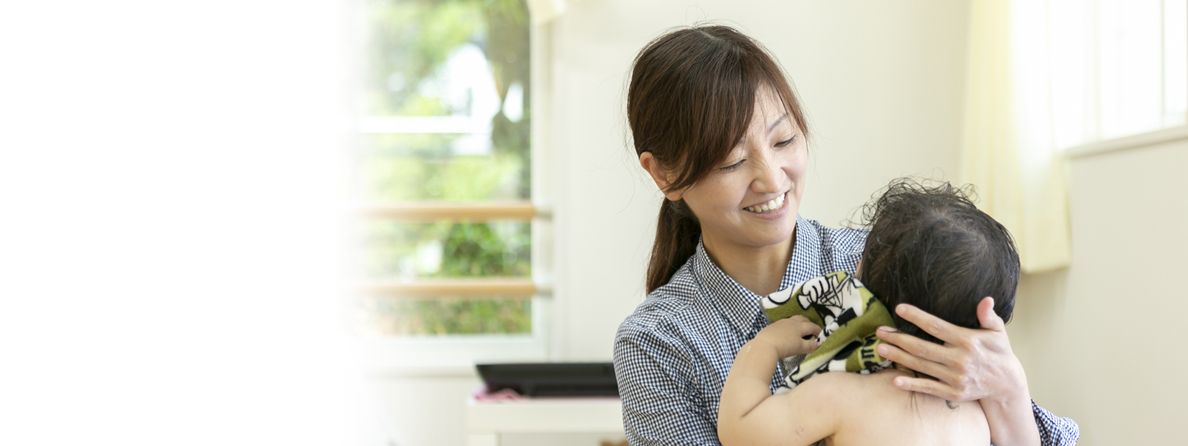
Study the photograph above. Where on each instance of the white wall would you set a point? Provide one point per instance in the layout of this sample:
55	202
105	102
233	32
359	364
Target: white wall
881	83
1100	340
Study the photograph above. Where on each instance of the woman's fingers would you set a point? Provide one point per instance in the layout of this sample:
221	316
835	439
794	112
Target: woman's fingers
929	386
898	356
987	317
947	383
913	345
933	325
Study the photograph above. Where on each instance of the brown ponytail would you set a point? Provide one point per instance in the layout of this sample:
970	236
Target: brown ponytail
677	233
690	100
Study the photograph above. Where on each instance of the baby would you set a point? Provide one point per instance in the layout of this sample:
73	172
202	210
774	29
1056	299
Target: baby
928	246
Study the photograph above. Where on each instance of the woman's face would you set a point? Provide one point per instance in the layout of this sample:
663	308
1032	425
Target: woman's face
752	199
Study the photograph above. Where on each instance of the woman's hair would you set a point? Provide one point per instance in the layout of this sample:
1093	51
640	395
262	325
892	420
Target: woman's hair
690	101
929	246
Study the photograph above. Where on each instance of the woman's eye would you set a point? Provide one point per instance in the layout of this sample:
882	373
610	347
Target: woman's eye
731	167
786	142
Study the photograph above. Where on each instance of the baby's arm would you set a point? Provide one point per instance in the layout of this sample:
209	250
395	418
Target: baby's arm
750	414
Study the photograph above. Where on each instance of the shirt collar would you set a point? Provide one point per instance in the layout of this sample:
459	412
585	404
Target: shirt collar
806	255
739	304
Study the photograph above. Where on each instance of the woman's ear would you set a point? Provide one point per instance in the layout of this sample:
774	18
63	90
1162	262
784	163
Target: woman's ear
662	177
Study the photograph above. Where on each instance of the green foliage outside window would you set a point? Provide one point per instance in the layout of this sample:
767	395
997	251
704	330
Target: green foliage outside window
411	44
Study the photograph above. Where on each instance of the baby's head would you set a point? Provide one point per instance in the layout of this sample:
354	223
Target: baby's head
929	246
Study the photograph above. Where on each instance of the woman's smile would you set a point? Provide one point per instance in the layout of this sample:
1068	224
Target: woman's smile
774	204
774	210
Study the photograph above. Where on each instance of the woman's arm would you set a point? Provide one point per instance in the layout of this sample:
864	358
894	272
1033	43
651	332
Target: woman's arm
973	364
749	413
660	406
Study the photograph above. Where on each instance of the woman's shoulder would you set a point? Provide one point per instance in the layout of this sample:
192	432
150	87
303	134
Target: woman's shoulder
838	237
649	340
838	248
666	315
659	309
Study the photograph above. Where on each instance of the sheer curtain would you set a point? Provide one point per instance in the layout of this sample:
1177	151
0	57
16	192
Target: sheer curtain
1008	150
544	11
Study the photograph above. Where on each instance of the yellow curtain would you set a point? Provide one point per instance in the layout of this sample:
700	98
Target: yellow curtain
544	11
1008	153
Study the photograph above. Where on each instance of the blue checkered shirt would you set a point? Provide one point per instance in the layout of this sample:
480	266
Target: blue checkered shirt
673	353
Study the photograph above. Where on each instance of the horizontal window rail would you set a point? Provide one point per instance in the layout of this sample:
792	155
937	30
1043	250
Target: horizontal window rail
438	211
445	288
457	125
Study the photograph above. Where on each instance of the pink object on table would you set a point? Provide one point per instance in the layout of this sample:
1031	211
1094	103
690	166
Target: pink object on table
499	395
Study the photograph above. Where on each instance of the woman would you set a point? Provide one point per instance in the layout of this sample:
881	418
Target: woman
717	126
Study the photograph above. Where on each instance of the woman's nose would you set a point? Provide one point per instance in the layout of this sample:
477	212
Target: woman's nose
768	176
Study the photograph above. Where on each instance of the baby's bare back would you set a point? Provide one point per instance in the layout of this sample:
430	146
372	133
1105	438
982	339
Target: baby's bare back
879	413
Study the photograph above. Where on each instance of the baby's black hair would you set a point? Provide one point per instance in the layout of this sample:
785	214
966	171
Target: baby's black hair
929	246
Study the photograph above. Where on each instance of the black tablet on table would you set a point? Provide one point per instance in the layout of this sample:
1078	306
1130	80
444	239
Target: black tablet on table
551	378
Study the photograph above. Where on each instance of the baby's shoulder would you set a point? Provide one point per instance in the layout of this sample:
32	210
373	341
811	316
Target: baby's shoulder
851	391
837	389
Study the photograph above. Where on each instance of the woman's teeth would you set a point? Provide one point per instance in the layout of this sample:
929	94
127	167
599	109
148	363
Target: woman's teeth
772	205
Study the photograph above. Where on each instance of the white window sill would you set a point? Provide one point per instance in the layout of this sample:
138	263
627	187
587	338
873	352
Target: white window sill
445	357
1129	142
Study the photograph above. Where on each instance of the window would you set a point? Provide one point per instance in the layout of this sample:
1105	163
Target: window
1115	68
444	165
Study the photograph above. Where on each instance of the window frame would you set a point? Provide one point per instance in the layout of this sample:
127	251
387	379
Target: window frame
456	355
1171	127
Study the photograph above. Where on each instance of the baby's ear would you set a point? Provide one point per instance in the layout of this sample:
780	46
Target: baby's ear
661	176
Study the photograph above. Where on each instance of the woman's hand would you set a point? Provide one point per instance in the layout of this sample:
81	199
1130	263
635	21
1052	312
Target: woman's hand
973	364
787	336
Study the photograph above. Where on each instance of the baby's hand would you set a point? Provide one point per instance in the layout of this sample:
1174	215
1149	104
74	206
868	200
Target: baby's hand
787	336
